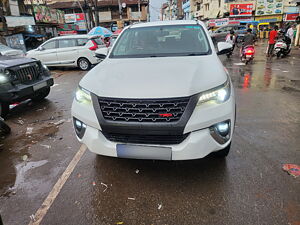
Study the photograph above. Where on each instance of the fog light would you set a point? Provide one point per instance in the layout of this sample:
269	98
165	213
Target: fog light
223	128
79	127
221	131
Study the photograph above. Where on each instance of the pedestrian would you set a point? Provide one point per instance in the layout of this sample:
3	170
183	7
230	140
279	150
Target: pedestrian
272	39
290	33
231	38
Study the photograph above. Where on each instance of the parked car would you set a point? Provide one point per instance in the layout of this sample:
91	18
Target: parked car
221	33
161	93
22	79
75	50
7	51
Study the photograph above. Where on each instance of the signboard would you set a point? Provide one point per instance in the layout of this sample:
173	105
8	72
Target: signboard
80	17
67	32
241	9
44	14
269	7
291	9
81	26
15	21
70	18
291	16
218	22
268	19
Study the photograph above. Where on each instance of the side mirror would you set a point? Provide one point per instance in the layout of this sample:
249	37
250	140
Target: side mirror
224	48
40	48
101	53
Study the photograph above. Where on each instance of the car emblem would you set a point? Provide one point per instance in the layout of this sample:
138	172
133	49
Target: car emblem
166	115
29	76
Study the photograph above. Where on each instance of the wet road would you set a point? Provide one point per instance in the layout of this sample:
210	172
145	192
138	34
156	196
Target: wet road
249	187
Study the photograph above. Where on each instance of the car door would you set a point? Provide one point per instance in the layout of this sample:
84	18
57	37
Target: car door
67	52
47	53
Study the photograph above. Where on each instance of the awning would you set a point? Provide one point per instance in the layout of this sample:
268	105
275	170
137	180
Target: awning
35	35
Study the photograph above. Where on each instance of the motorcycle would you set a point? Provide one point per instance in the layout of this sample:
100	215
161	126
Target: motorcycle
247	54
282	48
4	128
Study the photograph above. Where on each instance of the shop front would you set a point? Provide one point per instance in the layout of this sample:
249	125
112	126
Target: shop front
265	24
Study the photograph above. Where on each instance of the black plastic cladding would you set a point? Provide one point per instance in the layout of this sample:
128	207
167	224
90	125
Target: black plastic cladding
146	128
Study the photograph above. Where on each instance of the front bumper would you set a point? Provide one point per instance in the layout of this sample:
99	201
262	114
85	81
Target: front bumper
198	144
13	93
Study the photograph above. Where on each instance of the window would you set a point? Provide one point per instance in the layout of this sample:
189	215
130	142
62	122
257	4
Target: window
49	45
134	8
198	6
82	41
66	43
162	41
98	41
219	3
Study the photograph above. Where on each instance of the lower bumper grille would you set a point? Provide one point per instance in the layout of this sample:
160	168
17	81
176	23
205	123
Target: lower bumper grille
26	73
146	139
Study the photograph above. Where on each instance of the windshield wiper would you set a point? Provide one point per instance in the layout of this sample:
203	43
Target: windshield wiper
195	54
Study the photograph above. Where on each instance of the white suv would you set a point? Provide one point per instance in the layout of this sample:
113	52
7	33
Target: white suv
75	50
161	93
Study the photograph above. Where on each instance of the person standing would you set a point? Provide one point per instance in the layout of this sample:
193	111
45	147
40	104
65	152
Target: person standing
272	39
290	33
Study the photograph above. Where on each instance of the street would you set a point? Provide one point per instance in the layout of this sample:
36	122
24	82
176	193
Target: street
248	187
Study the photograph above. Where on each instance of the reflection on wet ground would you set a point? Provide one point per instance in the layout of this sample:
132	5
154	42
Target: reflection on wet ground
266	74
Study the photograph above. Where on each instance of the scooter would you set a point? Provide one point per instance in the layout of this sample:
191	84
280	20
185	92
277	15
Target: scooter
4	128
247	54
282	48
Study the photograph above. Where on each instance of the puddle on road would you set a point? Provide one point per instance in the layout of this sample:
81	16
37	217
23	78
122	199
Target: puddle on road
18	144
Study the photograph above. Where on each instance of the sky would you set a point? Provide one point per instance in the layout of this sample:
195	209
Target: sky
155	6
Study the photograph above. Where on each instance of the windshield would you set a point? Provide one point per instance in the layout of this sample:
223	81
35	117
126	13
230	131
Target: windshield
4	47
160	41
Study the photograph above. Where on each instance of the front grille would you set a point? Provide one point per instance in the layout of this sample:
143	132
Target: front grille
26	73
146	139
143	110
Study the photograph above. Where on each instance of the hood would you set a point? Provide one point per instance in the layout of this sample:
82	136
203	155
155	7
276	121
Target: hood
9	61
13	52
161	77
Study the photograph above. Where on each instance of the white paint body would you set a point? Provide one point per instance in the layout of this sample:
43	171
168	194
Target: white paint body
160	77
67	56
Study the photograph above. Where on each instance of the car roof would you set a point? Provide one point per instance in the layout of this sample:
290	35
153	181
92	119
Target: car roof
167	23
74	36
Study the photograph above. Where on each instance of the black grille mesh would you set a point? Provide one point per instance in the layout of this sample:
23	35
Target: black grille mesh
26	73
146	139
143	110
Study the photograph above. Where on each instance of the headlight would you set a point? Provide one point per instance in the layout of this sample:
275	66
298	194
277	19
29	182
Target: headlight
45	67
217	95
83	96
3	78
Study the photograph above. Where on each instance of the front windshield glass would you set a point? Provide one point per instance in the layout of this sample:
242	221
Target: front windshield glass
160	41
4	48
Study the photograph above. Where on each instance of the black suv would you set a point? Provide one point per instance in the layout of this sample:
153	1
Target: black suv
22	79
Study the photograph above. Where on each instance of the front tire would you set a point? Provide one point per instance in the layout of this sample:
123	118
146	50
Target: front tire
41	95
84	64
222	153
4	109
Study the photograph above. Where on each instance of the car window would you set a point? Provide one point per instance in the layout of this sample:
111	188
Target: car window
50	45
82	41
241	28
98	41
66	43
160	41
4	47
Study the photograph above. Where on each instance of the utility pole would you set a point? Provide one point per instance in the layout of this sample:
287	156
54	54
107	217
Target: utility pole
120	10
139	7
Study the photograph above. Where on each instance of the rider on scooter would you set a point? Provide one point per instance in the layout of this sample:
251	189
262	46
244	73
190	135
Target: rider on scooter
249	39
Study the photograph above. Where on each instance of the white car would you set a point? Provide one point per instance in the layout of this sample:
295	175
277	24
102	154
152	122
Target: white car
73	50
7	51
161	93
